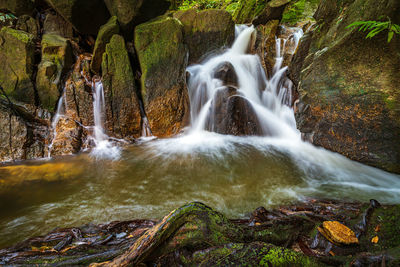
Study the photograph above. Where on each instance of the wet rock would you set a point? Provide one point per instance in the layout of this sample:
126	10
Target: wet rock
232	114
85	16
28	24
56	61
133	12
56	24
265	45
273	11
248	10
163	58
348	104
20	138
122	103
103	38
226	73
17	59
18	7
206	31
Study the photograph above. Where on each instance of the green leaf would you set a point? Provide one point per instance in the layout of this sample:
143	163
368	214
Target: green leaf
390	36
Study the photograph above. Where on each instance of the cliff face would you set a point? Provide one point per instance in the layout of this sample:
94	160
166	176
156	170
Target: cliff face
349	86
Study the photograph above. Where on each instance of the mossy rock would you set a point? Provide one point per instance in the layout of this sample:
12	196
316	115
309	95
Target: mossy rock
18	7
133	12
17	58
162	56
247	10
28	24
122	104
56	61
86	16
206	31
348	86
103	38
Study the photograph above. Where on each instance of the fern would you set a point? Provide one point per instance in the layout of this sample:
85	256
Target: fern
375	27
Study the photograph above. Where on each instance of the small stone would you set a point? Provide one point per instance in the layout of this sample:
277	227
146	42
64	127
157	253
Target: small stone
338	233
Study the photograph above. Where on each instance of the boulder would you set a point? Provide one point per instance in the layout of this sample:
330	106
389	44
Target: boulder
18	7
348	85
133	12
105	33
123	116
55	24
206	31
163	58
85	16
227	74
56	61
272	11
17	57
28	24
232	114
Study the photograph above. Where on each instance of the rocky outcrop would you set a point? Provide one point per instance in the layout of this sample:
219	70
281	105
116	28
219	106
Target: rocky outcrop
56	62
17	59
28	24
103	38
18	7
206	31
348	85
133	12
85	16
55	24
272	11
163	58
232	114
123	116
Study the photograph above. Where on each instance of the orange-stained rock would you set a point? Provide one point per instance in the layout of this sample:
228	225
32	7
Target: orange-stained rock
338	233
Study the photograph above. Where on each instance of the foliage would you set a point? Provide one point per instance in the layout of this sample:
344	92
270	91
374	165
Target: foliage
298	10
375	27
6	19
229	5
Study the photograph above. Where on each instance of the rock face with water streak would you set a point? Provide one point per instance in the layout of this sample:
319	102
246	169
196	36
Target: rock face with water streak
56	61
122	103
206	31
349	85
163	57
17	59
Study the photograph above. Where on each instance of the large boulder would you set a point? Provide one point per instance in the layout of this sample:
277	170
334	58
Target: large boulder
18	7
56	61
163	58
206	31
134	12
85	16
55	24
123	116
349	85
103	38
17	58
232	114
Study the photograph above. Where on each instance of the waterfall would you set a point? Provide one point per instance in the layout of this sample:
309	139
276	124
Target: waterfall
103	147
270	99
59	114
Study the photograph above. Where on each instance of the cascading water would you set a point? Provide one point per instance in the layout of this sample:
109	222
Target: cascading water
59	114
103	147
270	99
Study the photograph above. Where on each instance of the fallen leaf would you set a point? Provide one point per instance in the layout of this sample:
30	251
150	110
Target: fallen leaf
375	239
378	228
332	253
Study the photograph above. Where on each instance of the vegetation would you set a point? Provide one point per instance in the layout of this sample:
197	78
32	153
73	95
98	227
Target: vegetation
375	27
228	5
299	10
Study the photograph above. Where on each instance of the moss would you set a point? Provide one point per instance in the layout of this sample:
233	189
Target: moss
247	10
277	256
299	10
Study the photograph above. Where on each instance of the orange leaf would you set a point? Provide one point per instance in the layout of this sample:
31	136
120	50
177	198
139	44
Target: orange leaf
375	239
378	228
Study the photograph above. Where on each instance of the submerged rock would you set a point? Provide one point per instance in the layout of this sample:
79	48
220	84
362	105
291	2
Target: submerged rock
103	38
122	103
163	58
17	59
348	85
206	31
85	16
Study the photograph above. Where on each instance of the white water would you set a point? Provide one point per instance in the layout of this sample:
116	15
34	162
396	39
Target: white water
104	149
60	112
321	169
